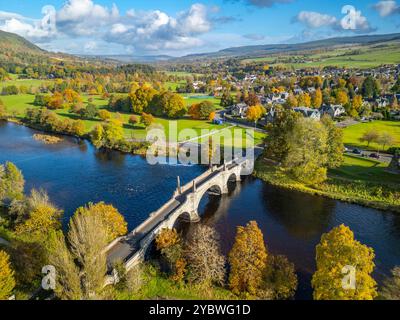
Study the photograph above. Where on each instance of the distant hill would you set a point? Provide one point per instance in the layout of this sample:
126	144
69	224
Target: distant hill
262	50
133	59
17	43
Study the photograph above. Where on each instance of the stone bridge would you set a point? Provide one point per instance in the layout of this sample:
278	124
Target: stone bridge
131	249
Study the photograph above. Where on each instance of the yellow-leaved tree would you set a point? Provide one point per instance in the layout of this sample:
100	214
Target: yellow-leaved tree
339	258
113	221
7	282
247	260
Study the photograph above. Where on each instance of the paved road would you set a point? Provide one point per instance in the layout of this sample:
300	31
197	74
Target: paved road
384	157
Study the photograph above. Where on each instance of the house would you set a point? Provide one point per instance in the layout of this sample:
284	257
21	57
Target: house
270	116
308	112
382	102
239	110
333	110
297	91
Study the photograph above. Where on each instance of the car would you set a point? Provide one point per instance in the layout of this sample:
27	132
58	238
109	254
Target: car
375	155
356	151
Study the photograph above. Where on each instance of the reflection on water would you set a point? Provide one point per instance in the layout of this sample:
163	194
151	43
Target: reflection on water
75	173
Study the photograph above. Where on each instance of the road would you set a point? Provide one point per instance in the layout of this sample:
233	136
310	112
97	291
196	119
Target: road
384	157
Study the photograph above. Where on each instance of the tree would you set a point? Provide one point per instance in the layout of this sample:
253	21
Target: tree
112	220
316	100
97	136
108	134
141	98
386	139
56	101
212	115
68	286
391	286
276	142
104	115
90	112
247	260
342	97
11	183
279	278
146	119
370	87
369	136
252	99
39	216
307	155
304	100
227	100
336	253
357	103
202	110
87	238
206	263
254	113
291	101
3	111
168	104
396	87
78	128
7	281
334	143
133	120
169	243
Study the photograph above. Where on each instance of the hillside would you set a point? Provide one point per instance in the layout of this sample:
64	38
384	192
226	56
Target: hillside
263	50
17	50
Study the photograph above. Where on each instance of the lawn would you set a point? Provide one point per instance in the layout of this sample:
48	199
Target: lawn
18	104
22	82
353	133
369	170
366	57
197	98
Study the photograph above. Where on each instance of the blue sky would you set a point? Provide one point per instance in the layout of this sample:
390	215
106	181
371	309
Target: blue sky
181	27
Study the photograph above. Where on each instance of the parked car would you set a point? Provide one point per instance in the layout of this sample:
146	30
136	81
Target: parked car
356	151
375	155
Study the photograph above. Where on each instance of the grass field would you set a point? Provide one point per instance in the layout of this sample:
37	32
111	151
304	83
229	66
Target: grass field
366	57
353	133
365	169
22	82
18	104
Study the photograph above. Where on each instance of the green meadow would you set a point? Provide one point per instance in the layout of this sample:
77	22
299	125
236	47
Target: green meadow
18	104
353	133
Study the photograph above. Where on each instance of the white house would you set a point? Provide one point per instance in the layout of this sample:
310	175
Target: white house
308	112
239	110
333	110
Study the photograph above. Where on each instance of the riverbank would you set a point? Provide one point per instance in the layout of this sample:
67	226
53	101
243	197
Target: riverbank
127	147
369	194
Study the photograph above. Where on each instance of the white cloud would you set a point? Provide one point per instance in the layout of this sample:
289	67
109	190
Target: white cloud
155	30
36	30
387	8
352	21
315	19
4	15
94	25
84	17
262	3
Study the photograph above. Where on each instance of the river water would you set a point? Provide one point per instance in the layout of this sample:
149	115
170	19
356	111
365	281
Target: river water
75	174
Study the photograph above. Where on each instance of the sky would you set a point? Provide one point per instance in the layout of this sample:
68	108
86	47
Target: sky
180	27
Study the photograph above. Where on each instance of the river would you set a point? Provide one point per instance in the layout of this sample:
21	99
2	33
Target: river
75	173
